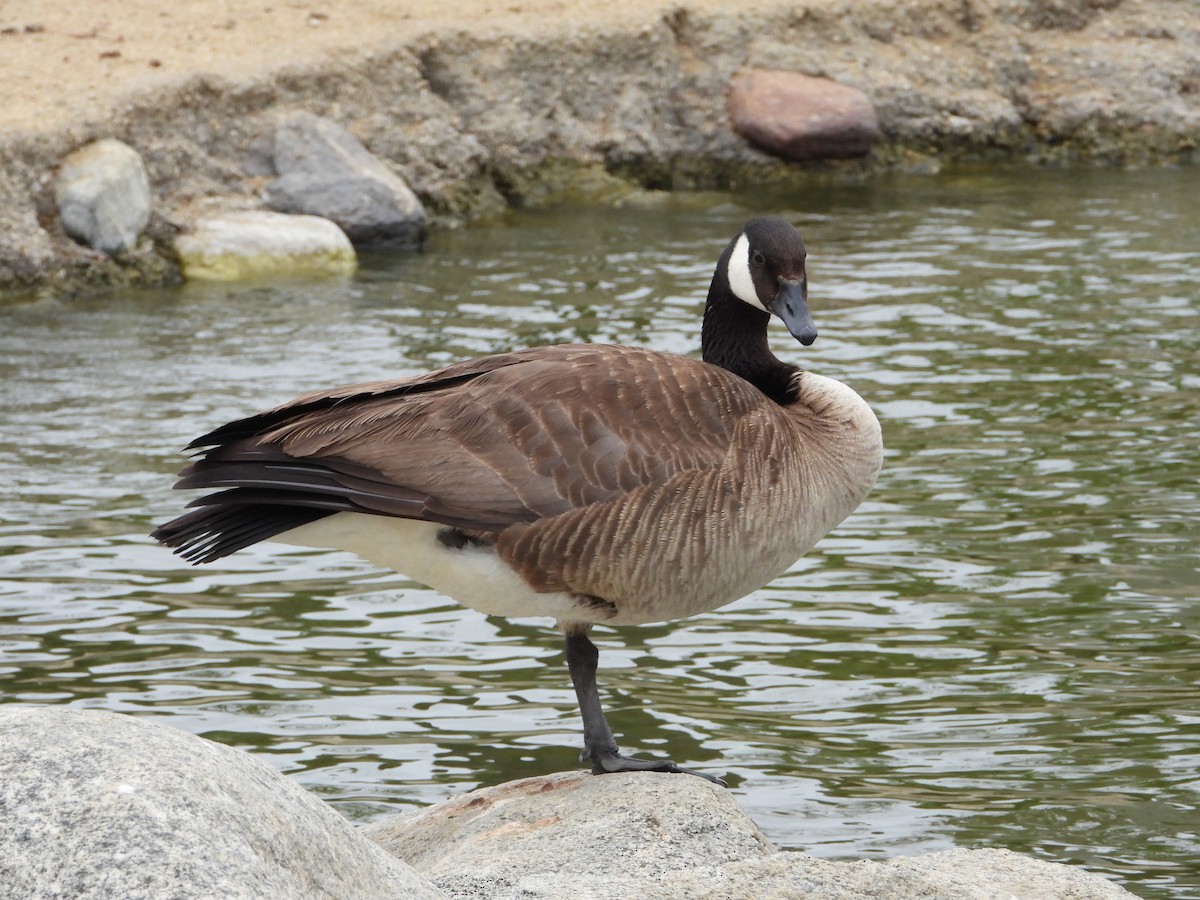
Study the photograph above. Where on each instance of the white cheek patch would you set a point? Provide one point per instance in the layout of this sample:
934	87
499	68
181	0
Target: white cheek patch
740	280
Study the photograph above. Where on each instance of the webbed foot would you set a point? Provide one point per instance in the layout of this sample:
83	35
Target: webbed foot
607	760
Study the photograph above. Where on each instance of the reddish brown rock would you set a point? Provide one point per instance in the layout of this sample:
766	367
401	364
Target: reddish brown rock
800	117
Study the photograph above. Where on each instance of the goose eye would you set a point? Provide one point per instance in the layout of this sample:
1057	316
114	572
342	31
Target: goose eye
758	258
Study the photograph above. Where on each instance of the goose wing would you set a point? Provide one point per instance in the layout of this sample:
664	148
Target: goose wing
485	444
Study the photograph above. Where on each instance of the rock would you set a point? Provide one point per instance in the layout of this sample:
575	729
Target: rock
253	244
325	171
574	836
97	805
572	824
103	196
800	118
948	875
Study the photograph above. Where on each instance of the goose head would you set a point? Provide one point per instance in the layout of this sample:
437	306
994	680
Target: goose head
764	268
760	274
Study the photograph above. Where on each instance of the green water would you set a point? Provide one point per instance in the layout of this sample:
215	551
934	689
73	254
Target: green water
998	650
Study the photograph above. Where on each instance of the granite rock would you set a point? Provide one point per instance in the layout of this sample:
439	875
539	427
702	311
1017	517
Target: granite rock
325	171
574	836
798	117
572	825
103	196
96	805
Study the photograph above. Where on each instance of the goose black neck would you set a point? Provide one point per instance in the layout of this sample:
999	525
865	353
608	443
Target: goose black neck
734	337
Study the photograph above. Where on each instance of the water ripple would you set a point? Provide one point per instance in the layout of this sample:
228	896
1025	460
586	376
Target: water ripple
997	649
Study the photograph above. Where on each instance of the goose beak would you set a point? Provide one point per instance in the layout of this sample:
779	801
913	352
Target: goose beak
791	305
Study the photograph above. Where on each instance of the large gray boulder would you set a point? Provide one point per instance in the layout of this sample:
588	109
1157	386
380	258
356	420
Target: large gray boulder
103	196
325	171
674	837
95	806
498	841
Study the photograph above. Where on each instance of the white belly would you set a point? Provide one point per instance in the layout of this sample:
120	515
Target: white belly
472	575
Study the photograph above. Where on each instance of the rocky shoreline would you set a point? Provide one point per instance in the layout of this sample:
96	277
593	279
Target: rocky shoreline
478	119
98	805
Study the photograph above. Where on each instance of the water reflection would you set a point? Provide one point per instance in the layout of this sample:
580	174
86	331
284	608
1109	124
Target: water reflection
997	650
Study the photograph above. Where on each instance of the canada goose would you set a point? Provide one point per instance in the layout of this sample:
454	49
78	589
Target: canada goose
595	484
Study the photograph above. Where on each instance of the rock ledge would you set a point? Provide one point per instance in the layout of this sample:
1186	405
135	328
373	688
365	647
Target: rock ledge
97	805
651	836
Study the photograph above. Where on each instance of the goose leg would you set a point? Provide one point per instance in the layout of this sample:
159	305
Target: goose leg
599	745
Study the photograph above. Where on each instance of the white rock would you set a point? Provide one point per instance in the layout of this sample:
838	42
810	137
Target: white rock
96	806
103	195
251	244
675	837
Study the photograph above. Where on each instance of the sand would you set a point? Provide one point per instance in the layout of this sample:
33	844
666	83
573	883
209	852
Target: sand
482	104
63	61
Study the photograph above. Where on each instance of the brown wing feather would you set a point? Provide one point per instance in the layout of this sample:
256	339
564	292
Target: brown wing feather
641	550
500	440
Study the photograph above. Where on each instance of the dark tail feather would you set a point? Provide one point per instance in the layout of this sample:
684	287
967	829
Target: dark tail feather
266	492
211	532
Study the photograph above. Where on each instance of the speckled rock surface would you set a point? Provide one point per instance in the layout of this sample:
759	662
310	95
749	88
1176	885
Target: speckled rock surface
574	836
97	806
572	825
948	875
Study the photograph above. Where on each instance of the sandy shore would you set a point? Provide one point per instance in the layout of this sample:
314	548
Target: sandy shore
481	104
65	62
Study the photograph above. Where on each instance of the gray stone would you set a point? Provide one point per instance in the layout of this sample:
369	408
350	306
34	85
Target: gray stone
103	196
575	836
254	244
572	824
325	171
798	117
949	875
96	806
